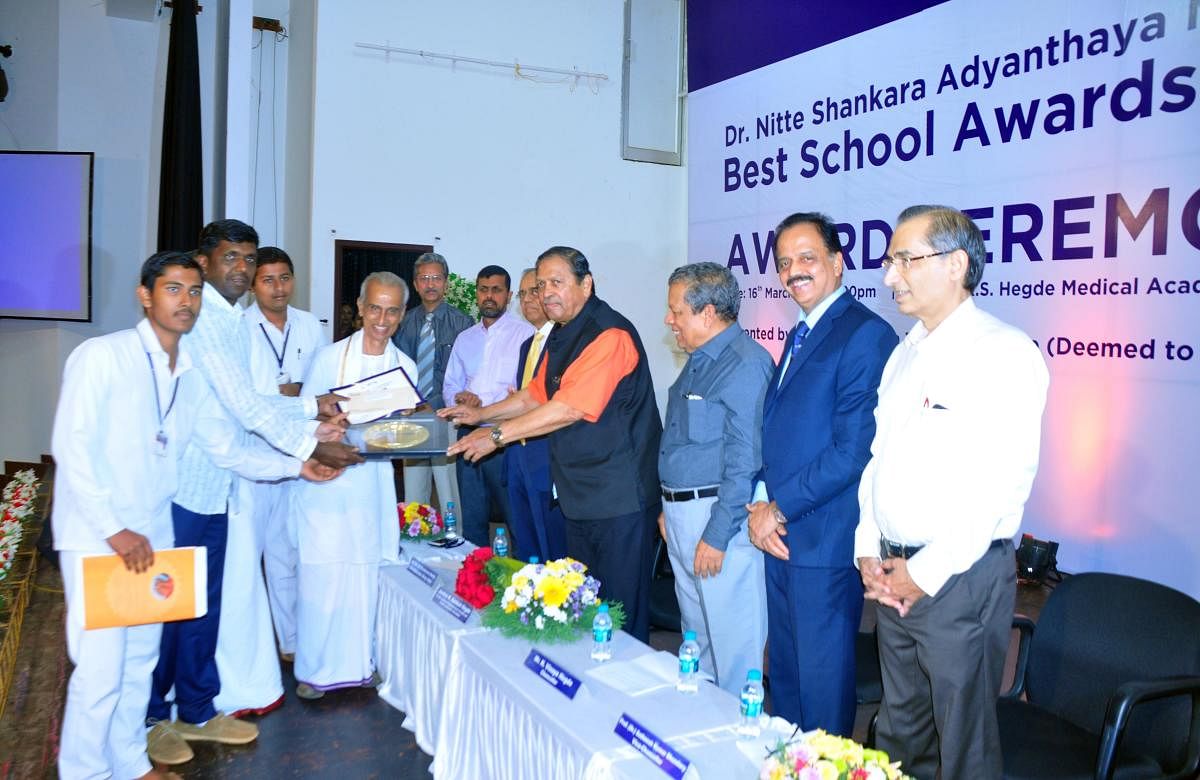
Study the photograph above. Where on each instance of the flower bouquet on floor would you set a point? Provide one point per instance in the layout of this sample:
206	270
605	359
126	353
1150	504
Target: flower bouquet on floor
823	756
16	507
548	602
419	521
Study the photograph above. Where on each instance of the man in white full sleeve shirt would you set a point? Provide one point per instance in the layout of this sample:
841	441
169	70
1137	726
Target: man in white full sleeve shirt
952	464
130	403
481	371
283	341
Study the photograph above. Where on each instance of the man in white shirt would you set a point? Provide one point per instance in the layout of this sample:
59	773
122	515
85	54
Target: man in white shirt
535	519
130	404
952	464
483	364
349	527
283	341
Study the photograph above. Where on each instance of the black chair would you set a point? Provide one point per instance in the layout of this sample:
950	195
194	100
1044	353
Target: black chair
1111	678
664	607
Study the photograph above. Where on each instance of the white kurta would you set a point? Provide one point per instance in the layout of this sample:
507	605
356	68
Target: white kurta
271	352
345	528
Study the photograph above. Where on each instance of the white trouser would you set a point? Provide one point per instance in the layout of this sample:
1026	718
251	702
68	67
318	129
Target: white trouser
417	482
104	731
280	559
728	612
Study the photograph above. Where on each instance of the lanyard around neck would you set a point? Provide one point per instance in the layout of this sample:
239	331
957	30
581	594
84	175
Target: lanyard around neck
281	353
162	416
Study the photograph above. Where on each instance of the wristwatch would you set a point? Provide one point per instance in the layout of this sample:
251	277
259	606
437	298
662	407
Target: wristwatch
779	518
497	436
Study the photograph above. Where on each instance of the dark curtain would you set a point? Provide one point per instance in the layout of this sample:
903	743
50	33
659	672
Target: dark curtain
180	196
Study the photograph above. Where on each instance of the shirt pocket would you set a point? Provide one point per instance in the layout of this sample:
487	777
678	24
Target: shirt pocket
703	420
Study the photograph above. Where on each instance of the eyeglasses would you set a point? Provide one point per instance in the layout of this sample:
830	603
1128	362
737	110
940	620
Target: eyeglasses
430	278
530	293
906	262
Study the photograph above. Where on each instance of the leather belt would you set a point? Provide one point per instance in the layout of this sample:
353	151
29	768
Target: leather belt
889	549
688	495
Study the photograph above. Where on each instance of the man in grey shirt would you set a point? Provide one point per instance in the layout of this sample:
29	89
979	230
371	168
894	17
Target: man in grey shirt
709	453
426	335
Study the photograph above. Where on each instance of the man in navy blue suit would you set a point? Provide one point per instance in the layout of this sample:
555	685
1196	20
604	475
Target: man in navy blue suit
536	521
818	423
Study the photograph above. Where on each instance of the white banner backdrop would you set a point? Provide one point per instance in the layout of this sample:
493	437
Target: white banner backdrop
1070	131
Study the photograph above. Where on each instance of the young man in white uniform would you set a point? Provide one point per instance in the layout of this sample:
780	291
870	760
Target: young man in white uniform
347	527
129	406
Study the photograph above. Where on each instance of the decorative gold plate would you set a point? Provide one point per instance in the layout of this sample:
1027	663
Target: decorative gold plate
395	435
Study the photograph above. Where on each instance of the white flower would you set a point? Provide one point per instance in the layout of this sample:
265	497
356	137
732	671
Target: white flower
539	622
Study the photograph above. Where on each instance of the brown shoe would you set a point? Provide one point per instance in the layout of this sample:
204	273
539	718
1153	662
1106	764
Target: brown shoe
165	746
287	658
220	728
308	693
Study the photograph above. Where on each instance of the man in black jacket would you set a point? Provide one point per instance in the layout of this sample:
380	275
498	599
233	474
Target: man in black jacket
594	397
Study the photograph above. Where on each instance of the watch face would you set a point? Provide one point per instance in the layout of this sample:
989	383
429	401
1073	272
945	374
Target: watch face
496	435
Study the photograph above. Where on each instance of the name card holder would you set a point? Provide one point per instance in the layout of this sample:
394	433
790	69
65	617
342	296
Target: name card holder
452	603
563	681
656	751
418	569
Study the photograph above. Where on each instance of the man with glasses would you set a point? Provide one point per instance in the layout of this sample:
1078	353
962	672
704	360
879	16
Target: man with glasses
817	427
953	461
427	336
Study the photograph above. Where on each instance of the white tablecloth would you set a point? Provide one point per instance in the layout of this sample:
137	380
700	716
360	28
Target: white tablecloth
474	706
417	642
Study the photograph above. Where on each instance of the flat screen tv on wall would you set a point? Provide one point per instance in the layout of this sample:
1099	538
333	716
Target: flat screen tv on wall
46	235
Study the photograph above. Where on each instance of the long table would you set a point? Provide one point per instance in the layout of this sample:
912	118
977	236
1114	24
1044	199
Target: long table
472	703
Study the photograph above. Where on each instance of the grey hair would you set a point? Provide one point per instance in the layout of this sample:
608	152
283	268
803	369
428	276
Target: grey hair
709	283
950	229
430	258
387	279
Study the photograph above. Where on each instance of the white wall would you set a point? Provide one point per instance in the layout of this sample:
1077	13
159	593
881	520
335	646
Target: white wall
486	167
101	91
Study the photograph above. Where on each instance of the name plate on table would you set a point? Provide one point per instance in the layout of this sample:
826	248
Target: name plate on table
563	681
654	749
418	569
452	603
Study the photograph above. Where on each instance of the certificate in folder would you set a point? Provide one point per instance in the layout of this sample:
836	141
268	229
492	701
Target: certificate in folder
175	587
378	396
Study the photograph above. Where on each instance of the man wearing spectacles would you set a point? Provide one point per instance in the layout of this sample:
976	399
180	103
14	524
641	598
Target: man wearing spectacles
953	461
427	335
817	425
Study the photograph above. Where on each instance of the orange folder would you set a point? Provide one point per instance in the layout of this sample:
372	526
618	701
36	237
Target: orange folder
174	588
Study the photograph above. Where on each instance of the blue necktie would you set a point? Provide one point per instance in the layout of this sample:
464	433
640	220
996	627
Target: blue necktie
797	341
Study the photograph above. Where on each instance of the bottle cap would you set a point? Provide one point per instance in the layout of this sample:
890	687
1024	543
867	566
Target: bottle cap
602	608
533	559
500	531
449	505
689	636
754	674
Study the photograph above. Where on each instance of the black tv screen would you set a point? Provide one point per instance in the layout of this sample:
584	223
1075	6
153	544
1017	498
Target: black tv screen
46	235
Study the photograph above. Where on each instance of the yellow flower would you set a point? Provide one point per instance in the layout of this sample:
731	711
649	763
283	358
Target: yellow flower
553	592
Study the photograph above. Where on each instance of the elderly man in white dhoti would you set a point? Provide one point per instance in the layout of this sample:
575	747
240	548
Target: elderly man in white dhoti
349	527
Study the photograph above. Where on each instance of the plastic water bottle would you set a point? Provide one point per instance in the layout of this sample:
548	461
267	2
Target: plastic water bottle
500	543
451	522
602	635
689	664
752	701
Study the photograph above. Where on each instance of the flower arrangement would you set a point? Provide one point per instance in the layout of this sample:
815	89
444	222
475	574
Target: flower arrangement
460	293
16	506
472	582
823	756
419	521
552	601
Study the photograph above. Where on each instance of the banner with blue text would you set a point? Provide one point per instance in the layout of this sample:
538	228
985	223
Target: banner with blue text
1070	132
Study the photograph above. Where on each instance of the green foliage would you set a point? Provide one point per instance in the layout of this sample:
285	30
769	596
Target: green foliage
500	572
460	293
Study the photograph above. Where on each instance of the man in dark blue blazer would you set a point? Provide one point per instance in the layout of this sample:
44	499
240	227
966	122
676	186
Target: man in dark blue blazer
818	423
536	522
